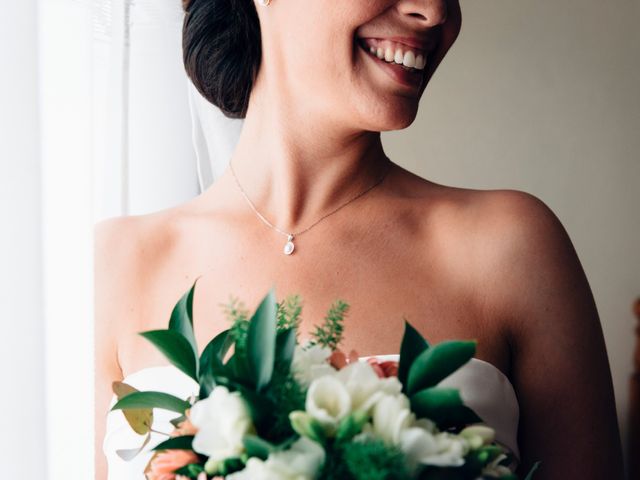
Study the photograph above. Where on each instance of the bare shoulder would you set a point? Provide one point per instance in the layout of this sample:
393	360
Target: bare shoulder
537	285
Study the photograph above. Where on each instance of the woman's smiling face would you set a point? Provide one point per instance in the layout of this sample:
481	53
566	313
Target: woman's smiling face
325	54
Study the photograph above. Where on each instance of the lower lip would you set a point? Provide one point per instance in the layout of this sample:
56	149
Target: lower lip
408	78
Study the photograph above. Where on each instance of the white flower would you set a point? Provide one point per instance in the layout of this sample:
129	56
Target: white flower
391	416
328	402
364	386
303	461
222	419
310	363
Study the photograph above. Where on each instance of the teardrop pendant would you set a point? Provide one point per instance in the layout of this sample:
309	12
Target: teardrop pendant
289	246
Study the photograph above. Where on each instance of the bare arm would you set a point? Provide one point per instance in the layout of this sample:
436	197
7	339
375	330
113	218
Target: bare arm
560	366
108	248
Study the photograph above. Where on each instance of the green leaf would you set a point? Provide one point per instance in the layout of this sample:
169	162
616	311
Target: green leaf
257	447
444	406
152	400
176	348
211	361
285	346
413	344
191	470
533	469
176	443
139	419
182	318
261	341
438	362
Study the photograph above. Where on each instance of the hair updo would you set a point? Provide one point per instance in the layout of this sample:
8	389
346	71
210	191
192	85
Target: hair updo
221	51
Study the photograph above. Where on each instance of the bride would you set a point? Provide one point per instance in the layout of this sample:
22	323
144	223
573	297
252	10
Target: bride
311	204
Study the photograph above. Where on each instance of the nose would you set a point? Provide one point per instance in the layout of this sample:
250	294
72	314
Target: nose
429	13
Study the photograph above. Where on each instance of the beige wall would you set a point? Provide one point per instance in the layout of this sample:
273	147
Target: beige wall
542	96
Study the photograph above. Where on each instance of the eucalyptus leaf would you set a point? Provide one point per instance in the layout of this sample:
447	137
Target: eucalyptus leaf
261	341
176	443
438	362
413	344
182	318
176	348
129	454
139	419
444	406
152	400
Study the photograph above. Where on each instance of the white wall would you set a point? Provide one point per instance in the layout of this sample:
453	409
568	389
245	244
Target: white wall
543	96
23	452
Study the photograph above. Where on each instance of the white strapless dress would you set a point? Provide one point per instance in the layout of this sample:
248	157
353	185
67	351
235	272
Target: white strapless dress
483	388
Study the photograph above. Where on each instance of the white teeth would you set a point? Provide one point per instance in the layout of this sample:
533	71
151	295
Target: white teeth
388	55
409	59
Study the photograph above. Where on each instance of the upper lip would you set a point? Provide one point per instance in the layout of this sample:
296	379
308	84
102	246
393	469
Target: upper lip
414	42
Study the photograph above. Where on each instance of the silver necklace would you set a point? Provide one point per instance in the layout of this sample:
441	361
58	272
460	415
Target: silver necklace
289	246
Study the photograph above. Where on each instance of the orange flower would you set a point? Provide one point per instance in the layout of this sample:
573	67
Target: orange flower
164	463
185	427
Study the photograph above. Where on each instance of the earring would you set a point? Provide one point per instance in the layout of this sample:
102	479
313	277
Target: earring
264	2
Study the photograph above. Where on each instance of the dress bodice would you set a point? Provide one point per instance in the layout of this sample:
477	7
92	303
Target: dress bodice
483	388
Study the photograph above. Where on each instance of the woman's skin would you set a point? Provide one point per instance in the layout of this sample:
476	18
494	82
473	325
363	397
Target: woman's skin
493	265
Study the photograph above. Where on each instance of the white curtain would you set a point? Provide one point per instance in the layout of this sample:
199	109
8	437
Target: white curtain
158	142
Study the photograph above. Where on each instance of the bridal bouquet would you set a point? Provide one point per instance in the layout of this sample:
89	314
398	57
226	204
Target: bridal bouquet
269	408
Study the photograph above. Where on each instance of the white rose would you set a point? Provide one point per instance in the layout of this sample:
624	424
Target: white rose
311	363
364	386
328	402
222	419
303	461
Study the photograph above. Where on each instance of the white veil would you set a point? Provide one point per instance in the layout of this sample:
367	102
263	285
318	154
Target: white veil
214	137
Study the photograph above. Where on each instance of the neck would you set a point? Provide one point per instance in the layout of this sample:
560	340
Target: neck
296	167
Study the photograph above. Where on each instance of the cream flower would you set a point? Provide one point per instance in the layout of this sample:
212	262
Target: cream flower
310	363
303	461
328	402
364	386
222	419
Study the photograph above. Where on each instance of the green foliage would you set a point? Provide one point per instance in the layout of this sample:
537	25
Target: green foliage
370	459
176	443
438	362
190	471
261	341
137	400
176	348
444	406
329	334
413	344
289	313
238	315
286	395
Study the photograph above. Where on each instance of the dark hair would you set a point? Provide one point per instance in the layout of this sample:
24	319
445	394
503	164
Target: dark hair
221	51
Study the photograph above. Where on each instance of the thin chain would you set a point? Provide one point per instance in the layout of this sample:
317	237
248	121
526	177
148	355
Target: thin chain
319	220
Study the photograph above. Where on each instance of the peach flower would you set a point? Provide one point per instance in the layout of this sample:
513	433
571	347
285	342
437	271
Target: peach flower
185	427
164	463
339	360
388	368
